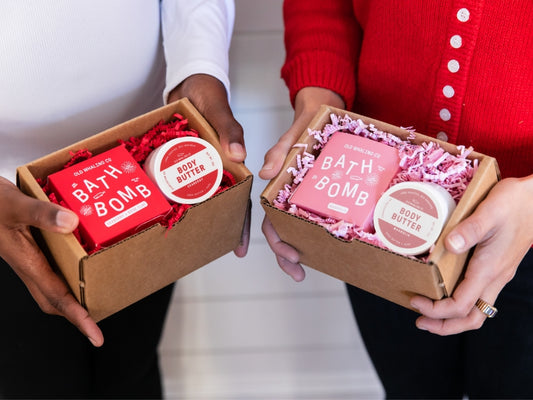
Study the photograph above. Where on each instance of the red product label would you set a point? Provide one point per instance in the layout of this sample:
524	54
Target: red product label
112	196
190	170
347	179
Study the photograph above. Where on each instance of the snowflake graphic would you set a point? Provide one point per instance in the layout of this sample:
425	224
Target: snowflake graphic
86	210
337	174
128	167
372	179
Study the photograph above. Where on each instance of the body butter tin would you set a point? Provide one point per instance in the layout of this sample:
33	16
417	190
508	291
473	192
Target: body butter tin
410	216
187	170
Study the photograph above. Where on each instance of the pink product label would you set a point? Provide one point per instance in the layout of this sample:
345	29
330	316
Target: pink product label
417	200
347	179
408	219
189	170
399	237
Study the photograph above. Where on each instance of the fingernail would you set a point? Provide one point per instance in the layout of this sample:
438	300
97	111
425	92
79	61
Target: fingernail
267	167
293	258
93	342
297	276
236	150
456	241
297	279
66	220
421	326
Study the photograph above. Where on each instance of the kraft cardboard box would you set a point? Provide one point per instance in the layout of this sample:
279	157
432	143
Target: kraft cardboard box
381	272
117	276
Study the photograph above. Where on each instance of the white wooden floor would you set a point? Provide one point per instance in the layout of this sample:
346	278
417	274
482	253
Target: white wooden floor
241	329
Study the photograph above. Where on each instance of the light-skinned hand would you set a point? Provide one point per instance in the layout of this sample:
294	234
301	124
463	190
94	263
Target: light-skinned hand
501	228
501	238
307	103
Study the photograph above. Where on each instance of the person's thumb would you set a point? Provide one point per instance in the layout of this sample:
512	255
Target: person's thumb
469	232
231	136
45	215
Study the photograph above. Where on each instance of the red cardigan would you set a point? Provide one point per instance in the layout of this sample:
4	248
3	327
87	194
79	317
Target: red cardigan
460	70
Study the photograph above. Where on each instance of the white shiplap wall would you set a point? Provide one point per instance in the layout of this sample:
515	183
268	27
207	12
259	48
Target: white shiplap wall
241	329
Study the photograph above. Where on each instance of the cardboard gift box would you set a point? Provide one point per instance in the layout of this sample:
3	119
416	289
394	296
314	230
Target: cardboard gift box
113	278
381	272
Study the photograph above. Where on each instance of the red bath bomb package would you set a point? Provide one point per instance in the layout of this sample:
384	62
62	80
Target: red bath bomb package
112	196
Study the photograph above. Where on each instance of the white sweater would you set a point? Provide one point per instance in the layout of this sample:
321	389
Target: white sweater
69	69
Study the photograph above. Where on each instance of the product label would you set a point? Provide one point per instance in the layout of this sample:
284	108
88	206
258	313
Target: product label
111	195
409	219
190	170
347	178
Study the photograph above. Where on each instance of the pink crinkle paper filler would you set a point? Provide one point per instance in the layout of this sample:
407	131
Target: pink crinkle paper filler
426	162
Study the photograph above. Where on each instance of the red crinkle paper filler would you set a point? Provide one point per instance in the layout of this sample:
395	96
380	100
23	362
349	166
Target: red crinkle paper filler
427	162
140	148
79	156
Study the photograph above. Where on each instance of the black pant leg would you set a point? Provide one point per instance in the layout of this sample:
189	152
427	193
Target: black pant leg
495	361
127	365
409	362
499	356
41	356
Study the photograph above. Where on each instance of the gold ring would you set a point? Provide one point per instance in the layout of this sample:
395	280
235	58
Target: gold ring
486	308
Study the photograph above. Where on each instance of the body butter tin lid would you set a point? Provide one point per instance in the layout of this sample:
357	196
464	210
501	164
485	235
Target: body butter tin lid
187	170
409	216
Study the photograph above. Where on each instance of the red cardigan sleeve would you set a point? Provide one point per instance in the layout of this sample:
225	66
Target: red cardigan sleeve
322	42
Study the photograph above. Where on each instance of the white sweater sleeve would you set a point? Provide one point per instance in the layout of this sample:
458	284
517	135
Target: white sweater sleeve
196	39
